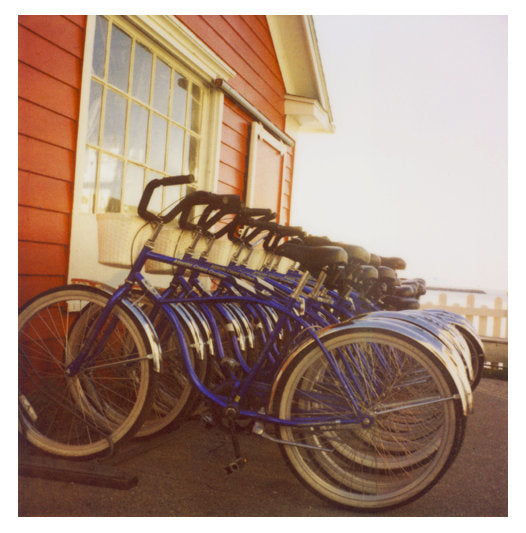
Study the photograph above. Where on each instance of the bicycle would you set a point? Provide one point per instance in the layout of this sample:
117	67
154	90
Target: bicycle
369	414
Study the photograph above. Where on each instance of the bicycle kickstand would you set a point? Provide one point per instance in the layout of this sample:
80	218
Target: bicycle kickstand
239	461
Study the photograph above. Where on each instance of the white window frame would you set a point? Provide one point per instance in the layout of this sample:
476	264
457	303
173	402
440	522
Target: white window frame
169	34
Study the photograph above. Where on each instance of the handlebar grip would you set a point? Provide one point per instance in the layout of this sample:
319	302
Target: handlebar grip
243	218
260	212
278	232
231	204
224	203
142	208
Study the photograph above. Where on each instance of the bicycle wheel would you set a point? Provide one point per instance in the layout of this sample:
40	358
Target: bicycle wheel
417	425
106	401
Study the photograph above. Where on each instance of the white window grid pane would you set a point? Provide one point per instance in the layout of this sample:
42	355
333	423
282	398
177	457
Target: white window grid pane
164	163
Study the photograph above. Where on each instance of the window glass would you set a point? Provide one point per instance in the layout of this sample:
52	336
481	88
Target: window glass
139	126
171	197
191	155
156	201
133	186
99	47
179	93
195	109
137	133
161	95
110	179
114	122
157	149
142	73
119	66
175	150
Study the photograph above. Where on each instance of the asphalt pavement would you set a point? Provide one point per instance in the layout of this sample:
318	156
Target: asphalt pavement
182	474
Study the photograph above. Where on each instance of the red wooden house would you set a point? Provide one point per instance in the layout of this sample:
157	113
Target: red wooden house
107	103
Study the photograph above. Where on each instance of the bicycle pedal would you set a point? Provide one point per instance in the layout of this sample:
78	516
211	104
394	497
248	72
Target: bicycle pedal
236	465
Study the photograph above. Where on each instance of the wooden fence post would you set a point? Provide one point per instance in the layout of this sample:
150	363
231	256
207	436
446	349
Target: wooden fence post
497	319
483	320
470	304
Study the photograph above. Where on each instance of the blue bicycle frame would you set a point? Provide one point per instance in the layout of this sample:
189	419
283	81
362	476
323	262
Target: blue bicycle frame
243	385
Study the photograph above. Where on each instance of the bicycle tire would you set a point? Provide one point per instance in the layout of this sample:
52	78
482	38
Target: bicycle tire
106	401
397	458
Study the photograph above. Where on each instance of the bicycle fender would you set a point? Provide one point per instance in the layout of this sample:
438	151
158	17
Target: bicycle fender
462	324
442	330
405	330
151	334
415	334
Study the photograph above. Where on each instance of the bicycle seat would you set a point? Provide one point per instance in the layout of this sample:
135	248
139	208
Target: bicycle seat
367	272
313	258
387	274
395	263
375	261
405	291
355	253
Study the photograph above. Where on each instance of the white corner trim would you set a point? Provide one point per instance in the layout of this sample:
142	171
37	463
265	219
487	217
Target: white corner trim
308	113
173	35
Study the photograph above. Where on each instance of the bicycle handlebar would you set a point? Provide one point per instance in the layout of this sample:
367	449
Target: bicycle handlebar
245	214
275	232
223	204
217	205
142	208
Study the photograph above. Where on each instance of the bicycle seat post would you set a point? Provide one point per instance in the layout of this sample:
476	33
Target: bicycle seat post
319	283
300	286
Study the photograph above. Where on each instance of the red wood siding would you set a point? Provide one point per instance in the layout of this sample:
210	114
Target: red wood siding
235	137
49	78
245	44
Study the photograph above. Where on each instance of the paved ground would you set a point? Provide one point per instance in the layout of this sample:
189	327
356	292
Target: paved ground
182	474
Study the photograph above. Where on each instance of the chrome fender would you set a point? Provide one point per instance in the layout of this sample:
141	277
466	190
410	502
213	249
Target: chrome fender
149	330
465	327
405	330
442	330
430	343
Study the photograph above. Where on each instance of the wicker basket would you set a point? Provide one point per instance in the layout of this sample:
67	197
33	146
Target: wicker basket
256	258
221	252
121	238
172	242
117	235
284	265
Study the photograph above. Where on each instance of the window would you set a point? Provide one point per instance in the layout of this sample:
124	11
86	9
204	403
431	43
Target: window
149	109
144	121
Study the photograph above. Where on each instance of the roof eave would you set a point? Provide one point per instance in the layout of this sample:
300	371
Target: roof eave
297	51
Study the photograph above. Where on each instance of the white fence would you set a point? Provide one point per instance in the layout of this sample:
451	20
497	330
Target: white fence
491	322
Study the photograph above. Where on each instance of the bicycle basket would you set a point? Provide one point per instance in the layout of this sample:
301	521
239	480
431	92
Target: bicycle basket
118	234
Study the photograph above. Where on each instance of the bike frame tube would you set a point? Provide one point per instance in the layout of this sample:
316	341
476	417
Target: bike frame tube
241	386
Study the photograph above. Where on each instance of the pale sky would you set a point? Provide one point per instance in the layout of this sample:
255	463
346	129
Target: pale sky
417	166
